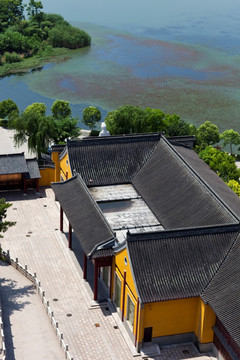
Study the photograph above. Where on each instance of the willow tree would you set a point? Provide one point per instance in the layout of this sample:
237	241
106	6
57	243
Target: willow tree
35	128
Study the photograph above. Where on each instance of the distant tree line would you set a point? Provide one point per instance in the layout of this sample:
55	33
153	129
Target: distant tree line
129	119
40	130
20	37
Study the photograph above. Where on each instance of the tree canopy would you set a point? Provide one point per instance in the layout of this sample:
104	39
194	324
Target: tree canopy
61	109
4	225
230	137
27	37
8	108
235	186
222	163
40	130
207	134
129	119
91	115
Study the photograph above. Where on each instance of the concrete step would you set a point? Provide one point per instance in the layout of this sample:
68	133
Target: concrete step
150	350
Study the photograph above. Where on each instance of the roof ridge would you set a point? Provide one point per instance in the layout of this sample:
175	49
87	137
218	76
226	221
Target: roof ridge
220	266
146	161
183	232
113	138
200	179
12	154
78	176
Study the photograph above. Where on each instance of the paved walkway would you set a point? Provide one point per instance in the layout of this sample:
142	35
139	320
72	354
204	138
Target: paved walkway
27	328
36	241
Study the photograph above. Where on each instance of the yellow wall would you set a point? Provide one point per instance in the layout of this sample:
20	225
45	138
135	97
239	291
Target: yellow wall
130	289
65	167
55	159
167	317
171	317
47	176
206	320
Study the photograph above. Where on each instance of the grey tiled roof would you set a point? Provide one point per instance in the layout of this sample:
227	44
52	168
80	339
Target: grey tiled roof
88	223
177	264
176	194
13	164
223	292
33	169
111	160
211	178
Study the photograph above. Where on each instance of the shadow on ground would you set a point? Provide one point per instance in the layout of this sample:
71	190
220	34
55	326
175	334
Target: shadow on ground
11	298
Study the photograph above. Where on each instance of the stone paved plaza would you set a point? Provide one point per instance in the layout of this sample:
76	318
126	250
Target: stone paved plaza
90	332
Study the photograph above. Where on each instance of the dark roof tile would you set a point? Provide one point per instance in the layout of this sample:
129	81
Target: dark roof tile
176	195
83	213
110	160
212	179
171	265
33	169
13	164
223	292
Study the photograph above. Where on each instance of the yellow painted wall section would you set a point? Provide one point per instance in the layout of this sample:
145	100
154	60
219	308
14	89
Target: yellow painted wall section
120	264
166	317
205	321
171	317
65	167
47	176
55	159
130	290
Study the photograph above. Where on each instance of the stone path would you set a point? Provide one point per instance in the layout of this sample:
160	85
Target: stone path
27	329
36	241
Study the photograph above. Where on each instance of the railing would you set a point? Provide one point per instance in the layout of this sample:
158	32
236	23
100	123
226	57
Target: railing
3	346
33	278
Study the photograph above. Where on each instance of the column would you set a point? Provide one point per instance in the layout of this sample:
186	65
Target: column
84	266
95	280
70	236
123	297
37	185
61	219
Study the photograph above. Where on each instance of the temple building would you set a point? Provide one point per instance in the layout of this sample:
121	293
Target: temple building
163	232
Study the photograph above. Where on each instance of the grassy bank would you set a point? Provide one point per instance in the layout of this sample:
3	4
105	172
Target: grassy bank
50	54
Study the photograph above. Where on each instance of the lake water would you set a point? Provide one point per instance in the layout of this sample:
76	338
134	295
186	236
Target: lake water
182	57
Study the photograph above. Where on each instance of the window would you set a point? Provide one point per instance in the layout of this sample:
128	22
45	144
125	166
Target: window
117	290
130	310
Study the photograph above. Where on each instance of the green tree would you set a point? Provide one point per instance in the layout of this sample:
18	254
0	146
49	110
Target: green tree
8	108
65	35
174	126
154	120
65	128
207	134
37	108
4	225
222	163
235	186
34	127
127	119
230	137
91	115
11	12
61	109
34	10
66	125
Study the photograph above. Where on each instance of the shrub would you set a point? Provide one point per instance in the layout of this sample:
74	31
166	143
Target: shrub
12	58
234	185
67	36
